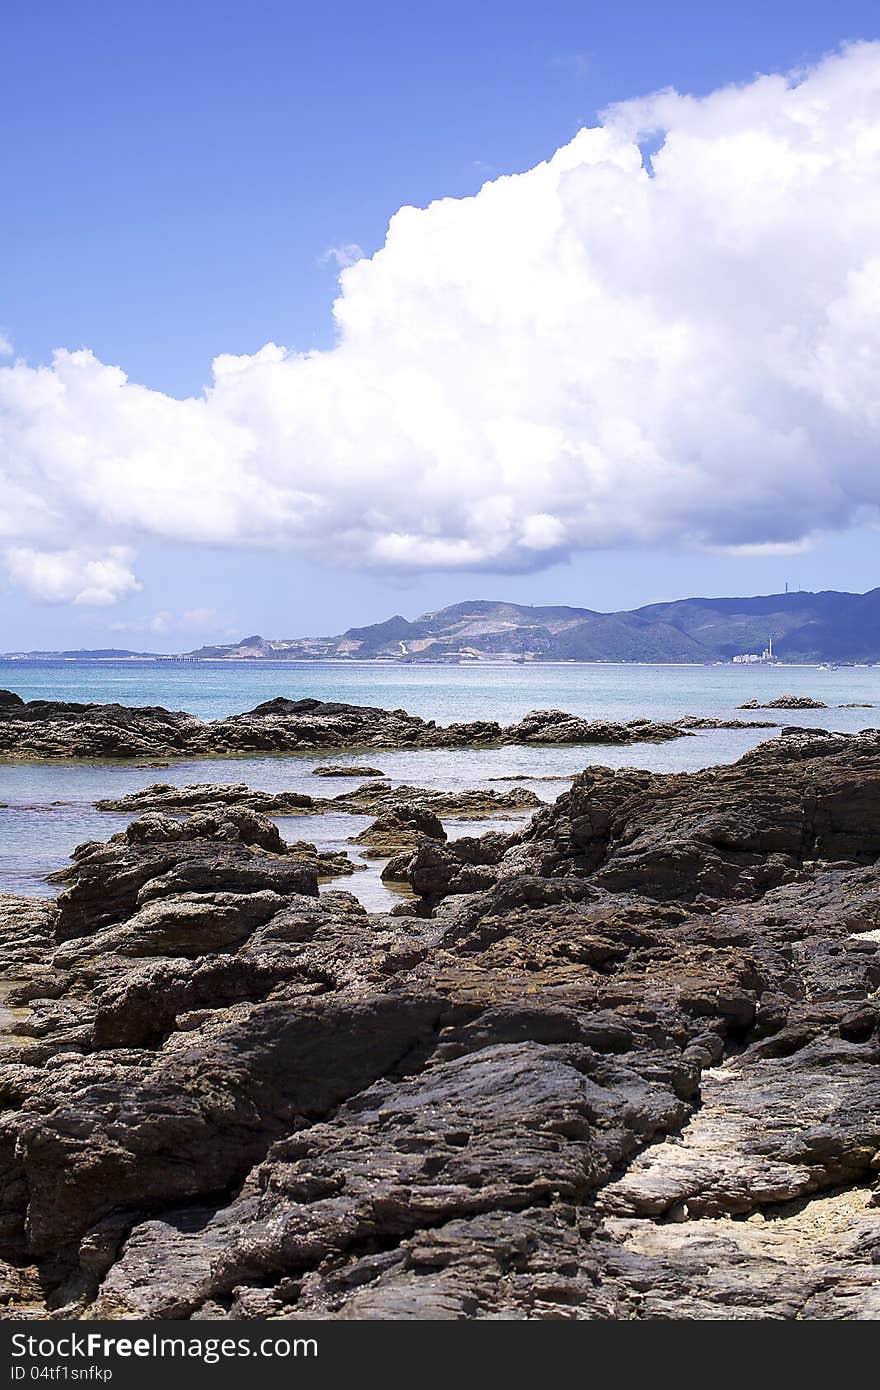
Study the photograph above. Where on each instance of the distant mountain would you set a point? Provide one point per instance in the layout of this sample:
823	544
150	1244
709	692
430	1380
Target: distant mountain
79	654
807	627
804	627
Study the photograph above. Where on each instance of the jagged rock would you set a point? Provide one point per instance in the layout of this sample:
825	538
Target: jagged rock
346	770
25	932
705	721
51	729
473	804
405	1155
163	797
806	1259
629	1069
527	777
555	726
768	1130
55	729
786	702
397	868
156	857
195	1120
465	866
725	832
401	827
327	863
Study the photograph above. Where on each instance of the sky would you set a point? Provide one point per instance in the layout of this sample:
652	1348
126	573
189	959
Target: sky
614	346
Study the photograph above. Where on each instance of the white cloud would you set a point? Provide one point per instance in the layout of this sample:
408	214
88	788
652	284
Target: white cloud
201	620
5	345
580	356
72	576
349	253
157	623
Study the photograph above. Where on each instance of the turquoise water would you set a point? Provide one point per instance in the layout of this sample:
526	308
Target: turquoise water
49	808
445	693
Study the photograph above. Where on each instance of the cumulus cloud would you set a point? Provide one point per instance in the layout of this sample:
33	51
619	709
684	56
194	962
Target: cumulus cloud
349	253
72	576
603	351
204	620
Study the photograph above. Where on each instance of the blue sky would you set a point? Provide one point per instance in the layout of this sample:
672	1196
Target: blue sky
178	176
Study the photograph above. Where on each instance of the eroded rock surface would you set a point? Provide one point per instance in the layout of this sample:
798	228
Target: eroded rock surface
402	826
709	721
162	796
373	797
786	702
620	1062
346	770
56	730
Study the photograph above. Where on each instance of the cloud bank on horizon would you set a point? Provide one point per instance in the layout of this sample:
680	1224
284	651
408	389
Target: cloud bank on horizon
608	350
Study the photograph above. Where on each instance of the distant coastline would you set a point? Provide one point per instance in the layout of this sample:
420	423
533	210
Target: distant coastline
160	660
790	629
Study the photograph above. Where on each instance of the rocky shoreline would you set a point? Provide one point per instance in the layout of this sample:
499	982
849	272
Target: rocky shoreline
619	1062
373	797
51	730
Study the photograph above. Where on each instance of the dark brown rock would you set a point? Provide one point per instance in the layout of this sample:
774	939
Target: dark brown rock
164	797
620	1063
239	853
786	702
346	770
42	729
471	804
401	827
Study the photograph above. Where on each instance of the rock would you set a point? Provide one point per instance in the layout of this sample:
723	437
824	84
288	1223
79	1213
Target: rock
622	1062
465	866
477	804
157	857
704	721
346	770
517	777
40	729
401	827
397	868
726	832
555	726
814	1261
760	1138
161	796
54	729
327	863
786	702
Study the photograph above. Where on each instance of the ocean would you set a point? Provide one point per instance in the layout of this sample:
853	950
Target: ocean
49	808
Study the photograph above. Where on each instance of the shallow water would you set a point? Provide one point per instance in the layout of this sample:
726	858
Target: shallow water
444	693
10	1016
49	807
